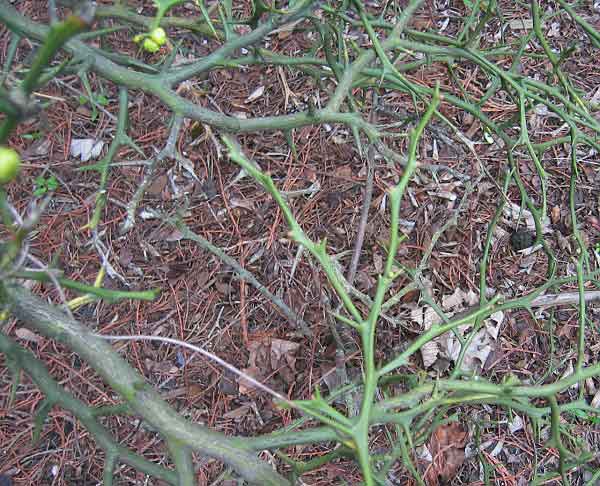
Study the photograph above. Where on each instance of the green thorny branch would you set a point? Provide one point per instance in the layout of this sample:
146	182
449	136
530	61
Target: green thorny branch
395	53
55	38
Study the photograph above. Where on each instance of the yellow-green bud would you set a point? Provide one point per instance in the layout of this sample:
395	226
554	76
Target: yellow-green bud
159	36
150	46
10	164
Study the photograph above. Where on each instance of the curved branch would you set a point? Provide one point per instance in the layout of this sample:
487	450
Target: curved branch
158	85
143	399
57	395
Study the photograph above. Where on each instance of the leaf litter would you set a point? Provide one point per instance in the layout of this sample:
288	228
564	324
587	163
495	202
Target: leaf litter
270	361
86	148
447	449
447	346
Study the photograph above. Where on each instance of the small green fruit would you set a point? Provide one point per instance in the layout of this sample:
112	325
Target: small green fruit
150	46
138	38
10	164
159	36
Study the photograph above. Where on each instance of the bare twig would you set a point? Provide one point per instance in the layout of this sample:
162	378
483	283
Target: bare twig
364	216
241	271
168	151
207	354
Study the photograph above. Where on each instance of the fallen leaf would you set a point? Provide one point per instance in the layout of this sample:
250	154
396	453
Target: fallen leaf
447	345
246	386
27	335
563	242
447	447
272	358
227	384
282	353
39	148
554	30
257	93
343	171
454	301
125	256
235	202
568	372
515	424
513	212
555	215
481	345
521	24
429	353
427	317
238	413
86	148
175	235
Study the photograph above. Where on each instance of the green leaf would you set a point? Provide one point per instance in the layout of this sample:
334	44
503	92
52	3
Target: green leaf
579	413
52	183
40	186
32	136
102	100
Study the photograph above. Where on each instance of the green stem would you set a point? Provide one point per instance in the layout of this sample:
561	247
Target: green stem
106	294
143	399
38	373
57	35
120	139
184	463
592	33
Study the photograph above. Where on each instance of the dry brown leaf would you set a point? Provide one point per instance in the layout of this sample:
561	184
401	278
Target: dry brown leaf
447	447
235	202
158	185
270	357
427	317
257	93
429	353
555	215
454	301
282	353
238	413
27	335
245	386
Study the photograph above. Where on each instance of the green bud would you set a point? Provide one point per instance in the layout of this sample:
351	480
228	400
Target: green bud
150	46
159	36
10	164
